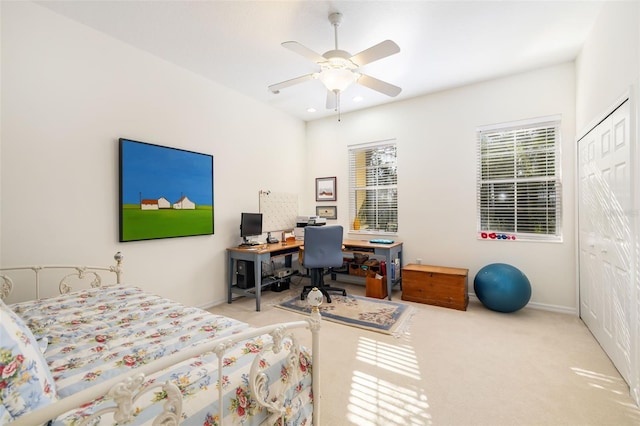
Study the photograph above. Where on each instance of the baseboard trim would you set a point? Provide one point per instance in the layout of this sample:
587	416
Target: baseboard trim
530	305
209	305
541	307
635	394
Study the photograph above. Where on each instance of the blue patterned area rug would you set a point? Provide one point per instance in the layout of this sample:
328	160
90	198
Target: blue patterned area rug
378	315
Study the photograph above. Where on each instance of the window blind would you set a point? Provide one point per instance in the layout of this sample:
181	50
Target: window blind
373	188
519	187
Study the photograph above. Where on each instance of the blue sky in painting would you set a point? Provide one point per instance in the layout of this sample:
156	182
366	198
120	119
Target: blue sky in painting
152	171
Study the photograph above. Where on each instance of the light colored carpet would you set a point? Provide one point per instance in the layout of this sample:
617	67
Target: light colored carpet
474	367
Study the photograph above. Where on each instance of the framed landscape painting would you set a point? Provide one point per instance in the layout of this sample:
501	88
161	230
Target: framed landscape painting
326	189
164	192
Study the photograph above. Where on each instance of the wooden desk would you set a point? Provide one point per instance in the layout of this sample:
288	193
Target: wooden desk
264	252
256	254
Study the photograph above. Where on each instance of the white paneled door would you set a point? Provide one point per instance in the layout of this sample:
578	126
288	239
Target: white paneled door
606	235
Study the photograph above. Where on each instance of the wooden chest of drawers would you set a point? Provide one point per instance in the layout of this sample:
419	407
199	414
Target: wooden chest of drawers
436	285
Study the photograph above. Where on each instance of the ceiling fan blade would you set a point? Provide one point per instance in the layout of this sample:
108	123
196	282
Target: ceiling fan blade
296	47
379	85
275	88
332	100
379	51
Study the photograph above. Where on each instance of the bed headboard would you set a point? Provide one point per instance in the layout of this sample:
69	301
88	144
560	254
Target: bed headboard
71	274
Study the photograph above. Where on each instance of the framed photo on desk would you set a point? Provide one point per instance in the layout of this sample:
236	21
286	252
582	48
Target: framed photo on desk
327	212
326	189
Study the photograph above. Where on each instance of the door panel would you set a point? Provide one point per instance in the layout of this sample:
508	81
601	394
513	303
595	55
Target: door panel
606	235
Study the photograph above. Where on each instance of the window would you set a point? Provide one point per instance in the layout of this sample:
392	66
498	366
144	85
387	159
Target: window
519	187
373	188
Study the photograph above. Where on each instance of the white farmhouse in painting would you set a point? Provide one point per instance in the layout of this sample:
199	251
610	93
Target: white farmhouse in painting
149	204
163	203
184	203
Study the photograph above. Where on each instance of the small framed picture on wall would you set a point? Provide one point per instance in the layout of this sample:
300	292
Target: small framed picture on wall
326	189
327	212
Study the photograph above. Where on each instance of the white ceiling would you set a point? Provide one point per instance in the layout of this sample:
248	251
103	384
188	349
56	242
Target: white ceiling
443	44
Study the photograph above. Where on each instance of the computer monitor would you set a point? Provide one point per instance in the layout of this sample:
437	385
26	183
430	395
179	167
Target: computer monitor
250	226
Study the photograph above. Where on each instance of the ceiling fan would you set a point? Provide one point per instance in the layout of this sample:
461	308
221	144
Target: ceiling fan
339	69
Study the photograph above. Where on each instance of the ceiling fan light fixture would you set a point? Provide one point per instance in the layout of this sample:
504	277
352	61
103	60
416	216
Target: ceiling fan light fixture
338	59
336	79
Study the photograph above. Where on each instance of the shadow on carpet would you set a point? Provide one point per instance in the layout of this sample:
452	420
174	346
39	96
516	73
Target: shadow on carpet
378	315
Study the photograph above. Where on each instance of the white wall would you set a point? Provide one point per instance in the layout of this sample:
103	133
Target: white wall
437	173
608	64
68	94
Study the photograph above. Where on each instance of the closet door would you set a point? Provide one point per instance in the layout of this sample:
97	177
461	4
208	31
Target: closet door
606	236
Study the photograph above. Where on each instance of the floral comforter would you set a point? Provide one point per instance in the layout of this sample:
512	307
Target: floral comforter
96	334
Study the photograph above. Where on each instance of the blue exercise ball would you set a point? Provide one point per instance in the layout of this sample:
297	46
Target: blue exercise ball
502	287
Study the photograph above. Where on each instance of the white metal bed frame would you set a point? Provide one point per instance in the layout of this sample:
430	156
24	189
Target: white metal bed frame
126	388
81	272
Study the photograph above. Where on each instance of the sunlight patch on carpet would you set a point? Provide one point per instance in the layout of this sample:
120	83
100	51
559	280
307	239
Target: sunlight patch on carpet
378	315
397	359
374	401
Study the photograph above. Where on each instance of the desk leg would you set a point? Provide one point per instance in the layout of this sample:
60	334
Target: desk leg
397	252
388	254
389	278
257	267
229	276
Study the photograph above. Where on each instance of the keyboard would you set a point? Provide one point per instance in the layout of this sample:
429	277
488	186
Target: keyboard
250	243
381	241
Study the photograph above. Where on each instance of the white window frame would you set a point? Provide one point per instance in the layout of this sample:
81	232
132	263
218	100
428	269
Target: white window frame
501	144
388	207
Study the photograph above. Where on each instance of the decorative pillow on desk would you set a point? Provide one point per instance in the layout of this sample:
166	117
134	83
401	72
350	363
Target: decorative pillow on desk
26	383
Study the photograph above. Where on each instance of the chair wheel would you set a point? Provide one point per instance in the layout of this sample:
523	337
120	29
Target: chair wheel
302	296
328	299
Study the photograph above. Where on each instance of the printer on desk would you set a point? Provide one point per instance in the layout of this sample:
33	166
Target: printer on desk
304	221
317	221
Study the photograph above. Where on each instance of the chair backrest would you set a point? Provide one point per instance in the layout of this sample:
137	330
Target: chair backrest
322	246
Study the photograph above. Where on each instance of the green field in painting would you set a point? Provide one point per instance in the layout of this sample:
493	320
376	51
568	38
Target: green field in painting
140	224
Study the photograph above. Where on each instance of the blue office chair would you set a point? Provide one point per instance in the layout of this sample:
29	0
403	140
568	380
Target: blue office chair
322	251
